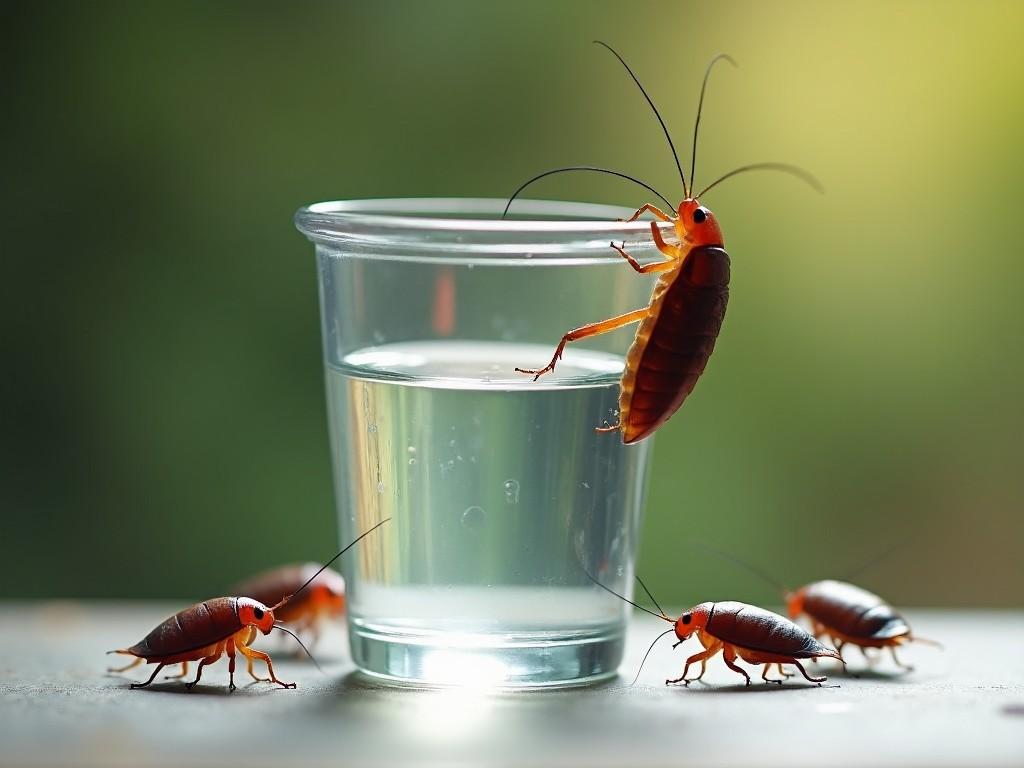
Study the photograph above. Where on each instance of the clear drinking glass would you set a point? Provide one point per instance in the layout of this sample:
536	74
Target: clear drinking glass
499	490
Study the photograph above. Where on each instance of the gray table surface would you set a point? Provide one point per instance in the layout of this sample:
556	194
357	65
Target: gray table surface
961	706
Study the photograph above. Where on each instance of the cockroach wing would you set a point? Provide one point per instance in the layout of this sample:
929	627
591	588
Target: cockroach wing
200	625
757	629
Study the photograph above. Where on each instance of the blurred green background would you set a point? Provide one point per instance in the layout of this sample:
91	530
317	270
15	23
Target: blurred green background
164	425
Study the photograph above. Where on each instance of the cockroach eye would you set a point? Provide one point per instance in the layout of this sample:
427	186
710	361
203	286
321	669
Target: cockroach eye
258	613
700	215
687	617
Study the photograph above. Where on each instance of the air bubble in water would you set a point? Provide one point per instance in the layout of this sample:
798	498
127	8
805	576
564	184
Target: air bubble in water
412	462
380	487
473	517
512	491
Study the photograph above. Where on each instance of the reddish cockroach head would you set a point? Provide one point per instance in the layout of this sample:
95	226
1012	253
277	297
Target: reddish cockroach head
253	613
696	225
795	602
692	620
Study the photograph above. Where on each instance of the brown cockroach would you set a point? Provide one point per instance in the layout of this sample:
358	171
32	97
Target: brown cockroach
679	326
842	612
847	613
206	631
737	630
324	598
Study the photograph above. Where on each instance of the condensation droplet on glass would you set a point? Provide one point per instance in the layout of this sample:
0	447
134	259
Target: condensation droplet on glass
512	491
371	428
412	462
458	458
585	484
469	266
620	571
451	443
473	517
412	450
378	336
380	487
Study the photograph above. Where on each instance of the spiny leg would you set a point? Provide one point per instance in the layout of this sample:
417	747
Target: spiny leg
253	653
702	657
203	662
156	671
653	209
818	680
593	329
730	656
764	674
896	660
183	673
126	667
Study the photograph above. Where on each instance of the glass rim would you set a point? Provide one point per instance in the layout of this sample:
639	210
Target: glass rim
467	229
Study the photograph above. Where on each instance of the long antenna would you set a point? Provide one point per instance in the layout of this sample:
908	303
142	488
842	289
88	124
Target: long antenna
656	113
309	581
539	176
854	573
700	107
744	565
670	629
656	605
662	616
289	632
793	170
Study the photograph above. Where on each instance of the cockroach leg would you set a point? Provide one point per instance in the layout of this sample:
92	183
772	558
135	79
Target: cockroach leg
670	251
252	653
764	674
231	664
126	667
896	660
613	428
152	677
203	662
658	213
702	657
729	655
183	673
584	331
818	680
252	674
839	647
658	266
783	672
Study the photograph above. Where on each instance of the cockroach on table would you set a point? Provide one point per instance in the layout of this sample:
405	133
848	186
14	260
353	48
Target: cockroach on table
843	612
737	630
848	614
323	598
206	631
679	326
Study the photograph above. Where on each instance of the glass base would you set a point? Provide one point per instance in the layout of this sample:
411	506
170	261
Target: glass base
509	660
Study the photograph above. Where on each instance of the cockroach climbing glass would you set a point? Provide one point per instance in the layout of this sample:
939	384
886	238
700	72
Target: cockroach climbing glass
206	631
678	328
